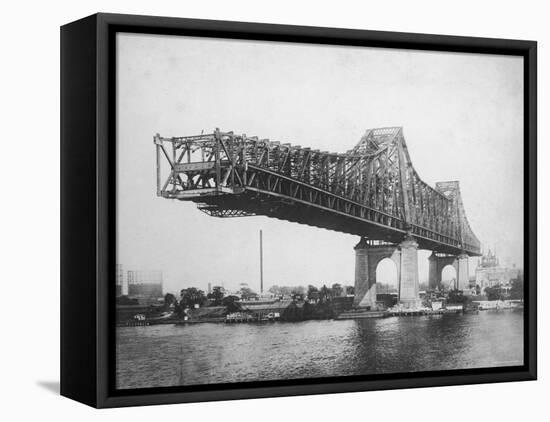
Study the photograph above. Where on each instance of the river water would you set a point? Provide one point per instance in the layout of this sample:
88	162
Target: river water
169	355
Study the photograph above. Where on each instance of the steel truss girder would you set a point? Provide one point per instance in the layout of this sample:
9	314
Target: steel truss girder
373	183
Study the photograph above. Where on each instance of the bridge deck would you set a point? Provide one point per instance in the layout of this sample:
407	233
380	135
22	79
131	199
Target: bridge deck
360	192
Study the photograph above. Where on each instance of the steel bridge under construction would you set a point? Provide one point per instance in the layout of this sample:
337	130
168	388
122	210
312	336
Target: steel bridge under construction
372	191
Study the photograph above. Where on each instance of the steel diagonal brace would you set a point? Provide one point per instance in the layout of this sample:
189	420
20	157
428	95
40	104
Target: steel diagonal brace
259	165
172	172
231	167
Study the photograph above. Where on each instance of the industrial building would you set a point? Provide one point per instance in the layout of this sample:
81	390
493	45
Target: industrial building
145	286
121	282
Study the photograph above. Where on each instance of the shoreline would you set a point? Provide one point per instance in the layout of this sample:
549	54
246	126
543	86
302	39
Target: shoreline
347	315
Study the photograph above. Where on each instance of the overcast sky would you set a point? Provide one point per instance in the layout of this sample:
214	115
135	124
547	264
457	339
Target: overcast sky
461	113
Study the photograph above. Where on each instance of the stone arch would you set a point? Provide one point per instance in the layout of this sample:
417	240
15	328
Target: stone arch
437	263
447	269
390	267
367	257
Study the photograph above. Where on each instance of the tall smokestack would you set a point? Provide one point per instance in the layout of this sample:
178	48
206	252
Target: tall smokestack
261	265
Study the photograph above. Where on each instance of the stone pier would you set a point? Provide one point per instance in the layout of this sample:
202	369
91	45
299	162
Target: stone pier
408	284
462	275
368	254
437	263
367	257
440	261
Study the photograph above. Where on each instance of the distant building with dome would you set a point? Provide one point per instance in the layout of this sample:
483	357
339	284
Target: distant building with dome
489	272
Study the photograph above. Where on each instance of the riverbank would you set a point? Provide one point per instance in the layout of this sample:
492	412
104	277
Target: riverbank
303	311
285	310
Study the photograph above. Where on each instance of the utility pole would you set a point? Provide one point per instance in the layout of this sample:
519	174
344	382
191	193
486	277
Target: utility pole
261	265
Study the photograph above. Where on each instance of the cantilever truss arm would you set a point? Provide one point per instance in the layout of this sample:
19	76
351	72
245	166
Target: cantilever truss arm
374	183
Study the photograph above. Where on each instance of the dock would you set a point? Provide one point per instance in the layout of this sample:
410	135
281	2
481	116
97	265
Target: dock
361	313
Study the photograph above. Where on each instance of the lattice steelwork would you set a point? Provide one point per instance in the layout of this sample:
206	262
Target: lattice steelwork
372	190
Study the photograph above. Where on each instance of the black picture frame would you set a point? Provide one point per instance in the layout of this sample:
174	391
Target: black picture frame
88	212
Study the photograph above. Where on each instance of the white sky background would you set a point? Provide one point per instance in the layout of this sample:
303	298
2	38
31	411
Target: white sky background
462	116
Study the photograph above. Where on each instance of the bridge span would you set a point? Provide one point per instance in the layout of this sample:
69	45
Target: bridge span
372	191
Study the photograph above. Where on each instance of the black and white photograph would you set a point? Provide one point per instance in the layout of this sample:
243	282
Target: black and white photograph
280	210
293	211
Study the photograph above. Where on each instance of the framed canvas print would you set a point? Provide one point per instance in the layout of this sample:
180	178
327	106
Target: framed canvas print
253	210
